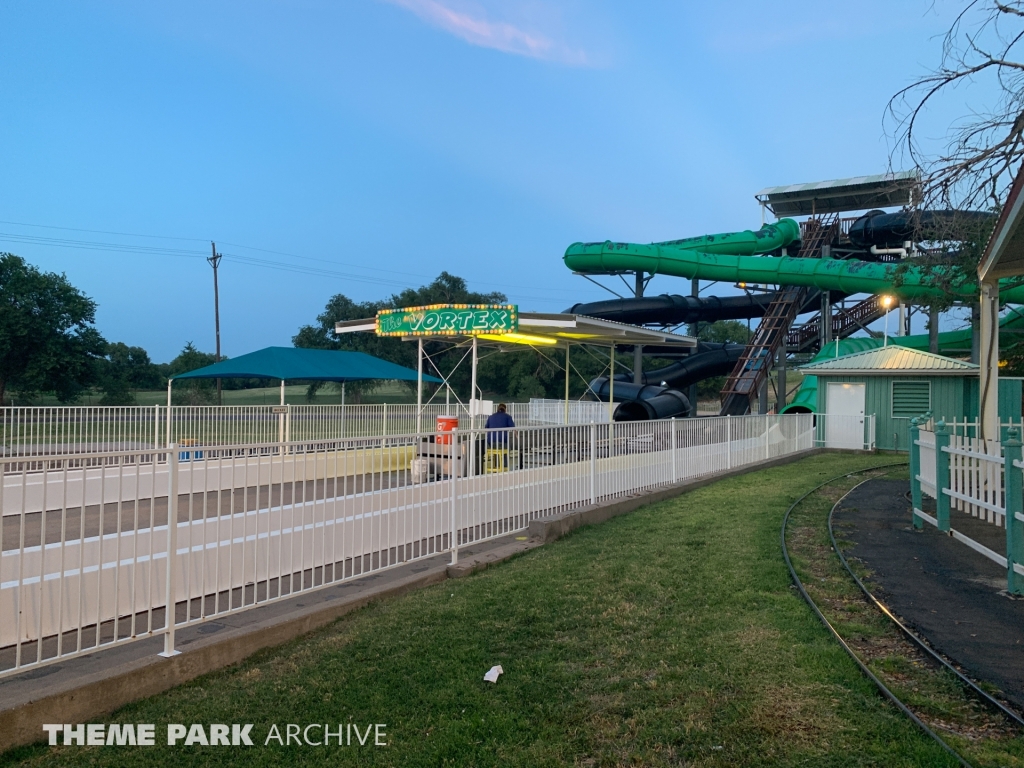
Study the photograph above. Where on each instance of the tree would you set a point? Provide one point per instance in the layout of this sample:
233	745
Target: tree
445	289
47	338
719	332
980	54
970	170
193	391
123	371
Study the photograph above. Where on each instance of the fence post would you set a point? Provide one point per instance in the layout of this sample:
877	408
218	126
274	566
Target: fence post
1014	504
288	424
941	476
453	475
673	450
767	452
728	442
170	409
593	462
915	472
385	419
172	549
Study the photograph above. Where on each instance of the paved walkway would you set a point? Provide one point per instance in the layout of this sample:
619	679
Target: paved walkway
939	587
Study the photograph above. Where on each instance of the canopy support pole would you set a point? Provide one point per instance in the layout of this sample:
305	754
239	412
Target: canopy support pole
611	402
169	381
419	384
567	382
638	349
611	384
472	392
282	391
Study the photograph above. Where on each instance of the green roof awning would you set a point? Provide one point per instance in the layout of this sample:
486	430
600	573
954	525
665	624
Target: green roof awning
292	363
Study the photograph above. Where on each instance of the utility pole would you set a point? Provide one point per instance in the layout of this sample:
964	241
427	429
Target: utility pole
214	260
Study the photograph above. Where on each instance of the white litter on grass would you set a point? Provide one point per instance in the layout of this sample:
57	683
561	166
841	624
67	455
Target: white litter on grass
492	674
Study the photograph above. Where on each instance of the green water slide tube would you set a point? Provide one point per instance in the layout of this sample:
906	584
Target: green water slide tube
950	342
746	243
728	258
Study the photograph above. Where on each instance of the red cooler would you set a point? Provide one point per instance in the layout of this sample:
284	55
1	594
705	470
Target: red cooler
446	424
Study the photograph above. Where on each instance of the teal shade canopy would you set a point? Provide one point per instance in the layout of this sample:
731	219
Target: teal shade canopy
292	363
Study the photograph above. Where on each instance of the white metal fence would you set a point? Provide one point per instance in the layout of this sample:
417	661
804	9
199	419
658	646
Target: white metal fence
85	538
45	431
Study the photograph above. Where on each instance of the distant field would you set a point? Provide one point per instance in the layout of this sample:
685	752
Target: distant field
390	392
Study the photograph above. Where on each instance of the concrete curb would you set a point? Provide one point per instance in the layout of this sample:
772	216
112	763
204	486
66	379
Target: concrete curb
89	696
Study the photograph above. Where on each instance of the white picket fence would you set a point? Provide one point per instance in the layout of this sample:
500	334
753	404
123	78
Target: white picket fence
84	539
967	475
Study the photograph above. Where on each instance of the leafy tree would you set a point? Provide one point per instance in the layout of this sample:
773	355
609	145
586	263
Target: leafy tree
445	289
47	338
193	391
123	371
720	331
725	331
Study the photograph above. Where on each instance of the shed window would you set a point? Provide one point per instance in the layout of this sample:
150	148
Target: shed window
911	398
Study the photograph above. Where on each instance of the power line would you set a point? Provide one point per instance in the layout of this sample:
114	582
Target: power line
102	231
126	248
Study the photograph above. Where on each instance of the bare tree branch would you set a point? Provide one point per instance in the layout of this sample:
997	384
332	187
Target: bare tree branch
972	167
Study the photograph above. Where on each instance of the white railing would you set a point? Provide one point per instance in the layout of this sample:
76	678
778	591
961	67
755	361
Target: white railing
560	412
57	431
84	539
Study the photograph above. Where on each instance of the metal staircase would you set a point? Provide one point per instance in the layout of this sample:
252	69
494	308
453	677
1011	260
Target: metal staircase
755	363
844	323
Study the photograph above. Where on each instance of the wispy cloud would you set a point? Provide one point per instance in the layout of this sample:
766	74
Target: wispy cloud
499	35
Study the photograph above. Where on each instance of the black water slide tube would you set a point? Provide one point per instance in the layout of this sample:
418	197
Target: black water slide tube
659	395
675	310
879	228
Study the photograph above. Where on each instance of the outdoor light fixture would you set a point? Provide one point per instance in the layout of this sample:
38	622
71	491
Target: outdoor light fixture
887	301
519	338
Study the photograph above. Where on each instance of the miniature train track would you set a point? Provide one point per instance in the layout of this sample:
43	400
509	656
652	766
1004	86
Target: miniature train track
920	642
885	691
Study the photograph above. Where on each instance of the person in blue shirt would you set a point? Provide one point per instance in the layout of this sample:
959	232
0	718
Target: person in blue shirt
500	422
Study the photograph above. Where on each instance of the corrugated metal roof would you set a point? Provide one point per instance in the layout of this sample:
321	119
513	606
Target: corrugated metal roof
889	360
882	190
879	178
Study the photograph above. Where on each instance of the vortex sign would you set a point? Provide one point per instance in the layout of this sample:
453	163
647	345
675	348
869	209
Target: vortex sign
449	320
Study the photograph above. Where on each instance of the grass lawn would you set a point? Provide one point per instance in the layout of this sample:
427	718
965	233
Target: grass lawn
670	636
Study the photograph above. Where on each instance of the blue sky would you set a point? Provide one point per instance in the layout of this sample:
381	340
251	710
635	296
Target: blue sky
373	144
